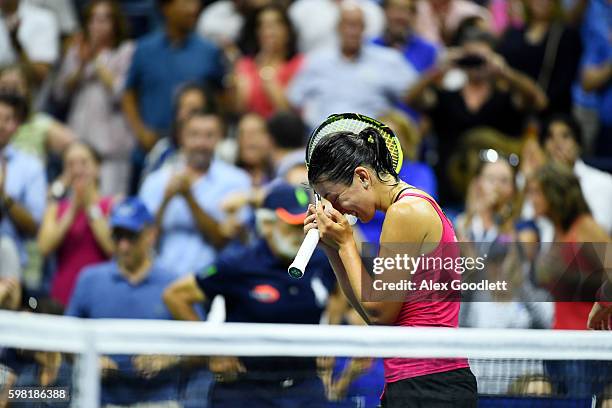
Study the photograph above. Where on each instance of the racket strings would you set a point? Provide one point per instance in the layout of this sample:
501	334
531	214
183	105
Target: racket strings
354	123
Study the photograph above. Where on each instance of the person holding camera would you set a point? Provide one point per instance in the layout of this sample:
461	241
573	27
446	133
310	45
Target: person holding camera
75	225
492	94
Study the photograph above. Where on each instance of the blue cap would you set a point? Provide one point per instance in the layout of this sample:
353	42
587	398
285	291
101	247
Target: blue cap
131	214
289	202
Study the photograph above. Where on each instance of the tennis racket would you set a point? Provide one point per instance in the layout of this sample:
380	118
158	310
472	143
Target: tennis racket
343	122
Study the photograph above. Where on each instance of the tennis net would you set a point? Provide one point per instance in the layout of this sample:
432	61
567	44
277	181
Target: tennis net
530	368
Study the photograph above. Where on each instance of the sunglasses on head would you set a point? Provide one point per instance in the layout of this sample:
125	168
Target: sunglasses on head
119	234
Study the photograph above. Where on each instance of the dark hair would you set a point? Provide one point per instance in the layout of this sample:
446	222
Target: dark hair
568	120
563	193
336	156
120	28
18	103
287	129
249	41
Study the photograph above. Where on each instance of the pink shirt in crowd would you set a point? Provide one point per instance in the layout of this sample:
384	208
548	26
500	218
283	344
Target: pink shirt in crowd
78	250
258	100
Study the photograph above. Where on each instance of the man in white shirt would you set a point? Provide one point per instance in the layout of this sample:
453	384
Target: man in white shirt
29	35
352	77
561	139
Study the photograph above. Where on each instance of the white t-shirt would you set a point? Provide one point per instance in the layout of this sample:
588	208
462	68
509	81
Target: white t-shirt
38	34
596	187
220	22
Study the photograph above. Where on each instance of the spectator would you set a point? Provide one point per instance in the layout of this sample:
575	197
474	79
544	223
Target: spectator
64	12
326	84
288	133
262	76
413	172
130	287
28	35
222	22
316	21
22	179
186	197
561	139
255	149
40	134
262	292
597	67
437	20
494	95
147	102
190	98
75	225
91	78
10	275
506	14
555	193
399	34
546	50
490	227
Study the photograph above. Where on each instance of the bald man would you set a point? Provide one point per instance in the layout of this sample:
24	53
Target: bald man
353	76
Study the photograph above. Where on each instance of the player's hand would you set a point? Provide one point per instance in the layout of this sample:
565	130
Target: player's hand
599	318
310	222
334	229
226	368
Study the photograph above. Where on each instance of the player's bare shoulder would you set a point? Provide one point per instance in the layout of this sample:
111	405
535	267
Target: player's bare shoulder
412	219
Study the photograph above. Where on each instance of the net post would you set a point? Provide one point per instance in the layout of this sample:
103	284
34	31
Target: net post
87	393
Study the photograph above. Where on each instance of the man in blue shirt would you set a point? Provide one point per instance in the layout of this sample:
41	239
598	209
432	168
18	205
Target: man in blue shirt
162	61
23	185
258	289
130	287
399	34
186	197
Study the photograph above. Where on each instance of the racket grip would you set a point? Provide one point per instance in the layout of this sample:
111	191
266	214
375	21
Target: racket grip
296	269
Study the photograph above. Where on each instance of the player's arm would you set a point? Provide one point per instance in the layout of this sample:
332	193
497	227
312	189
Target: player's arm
181	296
406	223
335	231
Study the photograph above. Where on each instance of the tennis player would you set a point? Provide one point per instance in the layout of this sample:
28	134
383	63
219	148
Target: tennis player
355	173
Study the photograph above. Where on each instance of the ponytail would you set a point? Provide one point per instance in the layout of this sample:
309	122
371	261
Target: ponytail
335	157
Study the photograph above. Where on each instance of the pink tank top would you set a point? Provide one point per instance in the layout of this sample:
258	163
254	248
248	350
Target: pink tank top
428	313
78	250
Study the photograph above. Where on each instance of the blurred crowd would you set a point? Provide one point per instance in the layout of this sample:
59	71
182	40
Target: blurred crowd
140	133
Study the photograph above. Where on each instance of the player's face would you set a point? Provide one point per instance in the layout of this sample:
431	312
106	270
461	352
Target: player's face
353	199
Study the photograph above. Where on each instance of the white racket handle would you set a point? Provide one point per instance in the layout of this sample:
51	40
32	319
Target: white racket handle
296	269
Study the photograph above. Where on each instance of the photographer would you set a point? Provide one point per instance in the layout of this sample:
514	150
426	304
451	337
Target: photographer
492	95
